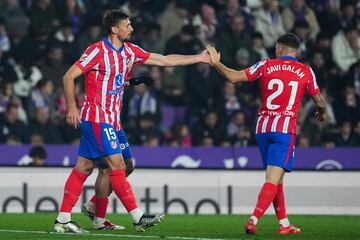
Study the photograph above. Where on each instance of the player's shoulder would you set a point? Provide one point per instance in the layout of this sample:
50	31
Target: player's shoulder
133	46
257	66
96	46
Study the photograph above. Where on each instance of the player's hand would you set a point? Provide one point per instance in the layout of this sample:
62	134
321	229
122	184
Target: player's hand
204	57
148	81
214	55
320	117
73	117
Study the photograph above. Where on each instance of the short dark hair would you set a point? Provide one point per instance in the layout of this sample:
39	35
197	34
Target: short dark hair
38	152
289	40
111	18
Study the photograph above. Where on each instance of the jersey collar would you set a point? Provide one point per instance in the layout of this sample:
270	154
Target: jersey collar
288	58
107	42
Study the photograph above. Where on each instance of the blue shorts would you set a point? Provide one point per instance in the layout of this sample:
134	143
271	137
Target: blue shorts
100	139
277	149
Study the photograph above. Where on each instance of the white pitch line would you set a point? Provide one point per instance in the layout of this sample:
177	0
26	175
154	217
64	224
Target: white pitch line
107	235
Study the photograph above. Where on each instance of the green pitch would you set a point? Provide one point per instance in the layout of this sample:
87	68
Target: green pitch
183	227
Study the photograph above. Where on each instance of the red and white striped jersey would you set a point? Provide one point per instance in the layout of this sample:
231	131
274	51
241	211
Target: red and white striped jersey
283	83
105	69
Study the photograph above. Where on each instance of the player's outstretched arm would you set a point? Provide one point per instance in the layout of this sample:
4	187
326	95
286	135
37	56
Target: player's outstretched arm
173	60
230	74
72	116
320	105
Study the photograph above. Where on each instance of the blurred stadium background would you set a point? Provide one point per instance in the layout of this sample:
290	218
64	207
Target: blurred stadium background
192	132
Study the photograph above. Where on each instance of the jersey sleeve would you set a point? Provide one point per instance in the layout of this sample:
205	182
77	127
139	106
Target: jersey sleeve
255	71
140	54
312	86
88	59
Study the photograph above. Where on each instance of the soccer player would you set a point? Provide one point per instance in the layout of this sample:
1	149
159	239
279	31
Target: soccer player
283	83
105	65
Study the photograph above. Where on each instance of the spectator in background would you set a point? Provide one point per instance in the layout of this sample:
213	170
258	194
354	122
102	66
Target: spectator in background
230	41
91	35
233	9
147	129
328	141
143	100
346	138
323	78
348	106
259	46
245	57
28	75
42	96
299	11
6	95
150	40
43	17
352	78
179	135
303	142
72	13
174	107
206	23
231	100
210	128
184	43
17	22
269	23
348	16
173	19
327	13
36	157
64	38
7	72
237	130
36	139
11	125
4	37
345	47
302	30
202	88
54	67
43	125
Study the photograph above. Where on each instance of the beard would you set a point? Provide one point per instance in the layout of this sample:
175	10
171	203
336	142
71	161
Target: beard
126	39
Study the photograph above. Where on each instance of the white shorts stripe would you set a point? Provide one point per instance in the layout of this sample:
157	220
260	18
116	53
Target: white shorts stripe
286	125
257	124
264	125
275	122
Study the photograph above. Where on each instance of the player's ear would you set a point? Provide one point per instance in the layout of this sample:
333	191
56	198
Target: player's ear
114	29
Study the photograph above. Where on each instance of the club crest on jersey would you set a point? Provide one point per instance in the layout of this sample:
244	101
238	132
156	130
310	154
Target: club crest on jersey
113	144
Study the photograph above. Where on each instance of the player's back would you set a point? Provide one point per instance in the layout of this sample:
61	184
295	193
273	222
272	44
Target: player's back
283	83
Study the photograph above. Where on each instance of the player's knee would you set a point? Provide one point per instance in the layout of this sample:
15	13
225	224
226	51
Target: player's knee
115	162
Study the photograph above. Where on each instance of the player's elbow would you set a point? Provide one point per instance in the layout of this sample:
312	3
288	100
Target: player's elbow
233	79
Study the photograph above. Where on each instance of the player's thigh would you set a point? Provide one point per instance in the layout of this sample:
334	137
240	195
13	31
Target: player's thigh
124	145
281	151
115	162
85	165
262	140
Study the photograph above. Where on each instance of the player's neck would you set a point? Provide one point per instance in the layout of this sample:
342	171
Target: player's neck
115	42
287	55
